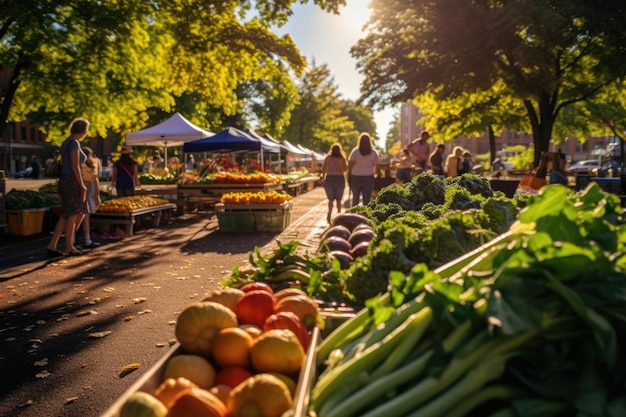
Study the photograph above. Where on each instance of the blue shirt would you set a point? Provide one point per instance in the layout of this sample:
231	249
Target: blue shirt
66	150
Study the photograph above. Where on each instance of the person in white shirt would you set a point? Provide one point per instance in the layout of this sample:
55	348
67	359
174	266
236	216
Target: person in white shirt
333	175
362	165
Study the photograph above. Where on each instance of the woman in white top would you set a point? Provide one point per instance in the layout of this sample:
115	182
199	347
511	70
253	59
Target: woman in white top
362	164
333	175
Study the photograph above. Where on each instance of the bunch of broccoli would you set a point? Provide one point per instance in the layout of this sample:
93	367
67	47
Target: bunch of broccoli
429	220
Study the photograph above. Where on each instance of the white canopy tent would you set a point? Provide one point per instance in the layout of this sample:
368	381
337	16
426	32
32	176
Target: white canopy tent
174	131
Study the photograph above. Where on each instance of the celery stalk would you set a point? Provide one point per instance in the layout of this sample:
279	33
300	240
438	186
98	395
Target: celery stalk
493	392
431	386
485	371
340	375
377	387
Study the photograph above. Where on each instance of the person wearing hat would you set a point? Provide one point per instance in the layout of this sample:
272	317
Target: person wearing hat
125	176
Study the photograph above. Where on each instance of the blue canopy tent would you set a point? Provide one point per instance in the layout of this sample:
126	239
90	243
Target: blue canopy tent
231	139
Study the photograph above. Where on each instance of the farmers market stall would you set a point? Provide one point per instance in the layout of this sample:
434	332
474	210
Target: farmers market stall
128	211
210	183
172	132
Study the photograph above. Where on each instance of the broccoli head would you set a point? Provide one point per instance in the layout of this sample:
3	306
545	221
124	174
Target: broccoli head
454	234
413	219
382	212
368	276
426	187
458	198
475	184
394	194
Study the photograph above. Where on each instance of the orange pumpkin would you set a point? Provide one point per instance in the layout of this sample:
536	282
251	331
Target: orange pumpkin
277	350
198	402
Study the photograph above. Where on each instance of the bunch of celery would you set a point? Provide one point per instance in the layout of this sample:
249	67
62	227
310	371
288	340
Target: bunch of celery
531	324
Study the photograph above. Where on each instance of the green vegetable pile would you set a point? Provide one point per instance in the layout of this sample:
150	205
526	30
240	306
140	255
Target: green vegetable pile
29	199
533	323
429	220
149	178
318	274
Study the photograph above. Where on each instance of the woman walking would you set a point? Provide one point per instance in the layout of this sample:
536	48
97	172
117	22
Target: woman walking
362	165
72	190
333	175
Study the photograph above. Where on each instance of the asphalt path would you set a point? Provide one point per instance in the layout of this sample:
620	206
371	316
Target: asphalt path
69	326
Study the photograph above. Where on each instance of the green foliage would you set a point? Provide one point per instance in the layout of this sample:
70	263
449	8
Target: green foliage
493	62
125	65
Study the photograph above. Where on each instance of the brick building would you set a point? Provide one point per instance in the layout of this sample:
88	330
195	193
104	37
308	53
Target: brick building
575	150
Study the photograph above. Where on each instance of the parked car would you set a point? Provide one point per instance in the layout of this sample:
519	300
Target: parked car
609	168
25	173
584	167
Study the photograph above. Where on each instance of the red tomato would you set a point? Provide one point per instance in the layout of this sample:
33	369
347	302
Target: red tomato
256	286
254	307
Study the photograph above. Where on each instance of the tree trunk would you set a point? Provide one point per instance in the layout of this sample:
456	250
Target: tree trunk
492	144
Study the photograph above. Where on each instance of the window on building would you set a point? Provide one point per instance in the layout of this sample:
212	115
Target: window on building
33	135
23	132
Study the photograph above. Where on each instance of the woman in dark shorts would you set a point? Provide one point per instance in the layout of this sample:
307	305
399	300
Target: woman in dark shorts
72	190
333	174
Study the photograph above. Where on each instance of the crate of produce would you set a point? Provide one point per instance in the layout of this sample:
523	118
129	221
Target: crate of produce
26	222
206	364
254	217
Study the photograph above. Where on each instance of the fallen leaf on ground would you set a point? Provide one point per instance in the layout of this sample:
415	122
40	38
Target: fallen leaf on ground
70	400
127	369
98	335
42	362
86	313
43	374
140	300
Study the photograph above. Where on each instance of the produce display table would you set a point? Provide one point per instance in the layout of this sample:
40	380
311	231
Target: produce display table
128	219
212	193
300	186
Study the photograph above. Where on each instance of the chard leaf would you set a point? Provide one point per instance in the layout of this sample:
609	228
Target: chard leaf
603	331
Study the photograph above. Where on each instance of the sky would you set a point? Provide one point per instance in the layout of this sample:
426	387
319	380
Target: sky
327	38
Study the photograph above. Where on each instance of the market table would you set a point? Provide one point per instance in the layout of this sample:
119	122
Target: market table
212	193
301	185
129	218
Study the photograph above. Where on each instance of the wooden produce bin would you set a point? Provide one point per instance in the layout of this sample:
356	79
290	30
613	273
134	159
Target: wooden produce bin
151	380
253	217
128	219
26	222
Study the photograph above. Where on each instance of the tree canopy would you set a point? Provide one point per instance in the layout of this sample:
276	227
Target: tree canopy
119	63
547	54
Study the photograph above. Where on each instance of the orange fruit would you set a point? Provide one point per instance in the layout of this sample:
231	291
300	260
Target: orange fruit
232	376
231	347
252	329
277	350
